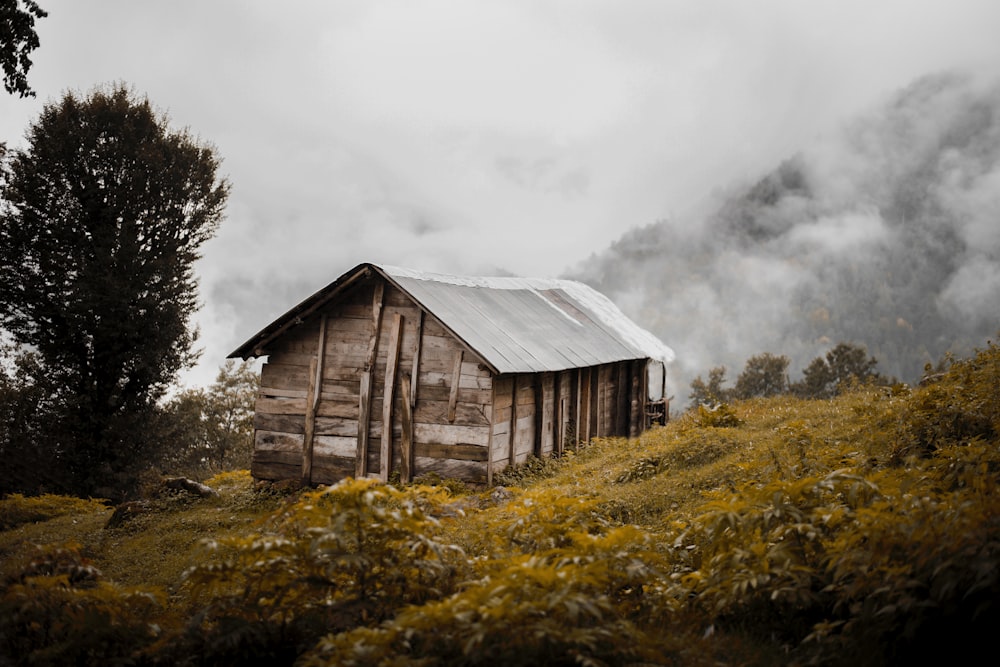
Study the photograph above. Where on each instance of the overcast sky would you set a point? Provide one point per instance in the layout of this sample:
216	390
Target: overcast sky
480	137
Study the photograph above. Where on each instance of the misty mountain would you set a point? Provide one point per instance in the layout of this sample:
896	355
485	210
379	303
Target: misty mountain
886	234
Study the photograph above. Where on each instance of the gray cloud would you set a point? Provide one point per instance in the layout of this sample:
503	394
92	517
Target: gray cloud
370	131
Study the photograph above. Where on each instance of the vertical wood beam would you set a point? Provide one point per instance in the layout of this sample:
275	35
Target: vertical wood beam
391	363
579	405
315	389
406	443
538	387
513	422
307	438
456	379
621	394
600	392
663	393
489	441
557	411
634	423
418	346
367	386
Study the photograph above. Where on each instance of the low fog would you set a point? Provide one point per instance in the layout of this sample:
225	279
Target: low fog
886	233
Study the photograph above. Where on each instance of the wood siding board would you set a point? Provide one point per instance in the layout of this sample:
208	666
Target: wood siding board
463	452
456	378
367	386
332	469
309	421
538	385
406	442
312	401
436	412
451	434
285	376
490	438
277	441
387	397
633	410
418	345
335	445
281	406
512	428
471	471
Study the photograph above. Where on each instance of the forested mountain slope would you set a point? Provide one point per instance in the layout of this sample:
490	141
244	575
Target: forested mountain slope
886	234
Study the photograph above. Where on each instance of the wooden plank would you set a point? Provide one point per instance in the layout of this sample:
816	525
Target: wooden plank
417	347
513	422
406	441
312	402
538	384
556	414
439	393
335	445
633	417
281	406
344	407
310	422
285	376
451	434
332	469
436	412
376	324
273	392
466	452
274	441
448	380
456	377
364	419
283	423
387	396
489	441
332	390
295	424
470	471
433	327
367	386
285	467
576	411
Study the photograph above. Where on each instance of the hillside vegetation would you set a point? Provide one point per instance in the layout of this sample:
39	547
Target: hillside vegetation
862	530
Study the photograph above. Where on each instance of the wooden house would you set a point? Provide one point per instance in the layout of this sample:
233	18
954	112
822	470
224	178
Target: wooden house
391	370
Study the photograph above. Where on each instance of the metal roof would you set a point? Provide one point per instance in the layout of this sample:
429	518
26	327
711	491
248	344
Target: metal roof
516	325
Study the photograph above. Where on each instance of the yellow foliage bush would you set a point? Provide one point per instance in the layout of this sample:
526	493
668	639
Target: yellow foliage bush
17	509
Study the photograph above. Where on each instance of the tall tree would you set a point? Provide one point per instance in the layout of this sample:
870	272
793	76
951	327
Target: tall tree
844	364
764	375
206	431
102	218
18	39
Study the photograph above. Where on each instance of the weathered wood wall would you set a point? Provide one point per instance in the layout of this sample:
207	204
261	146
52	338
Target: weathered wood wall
450	400
543	414
321	417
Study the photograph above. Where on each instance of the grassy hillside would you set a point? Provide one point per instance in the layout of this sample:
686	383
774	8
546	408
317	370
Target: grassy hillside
860	530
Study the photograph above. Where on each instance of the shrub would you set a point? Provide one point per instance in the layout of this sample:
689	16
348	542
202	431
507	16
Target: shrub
58	610
17	509
341	556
